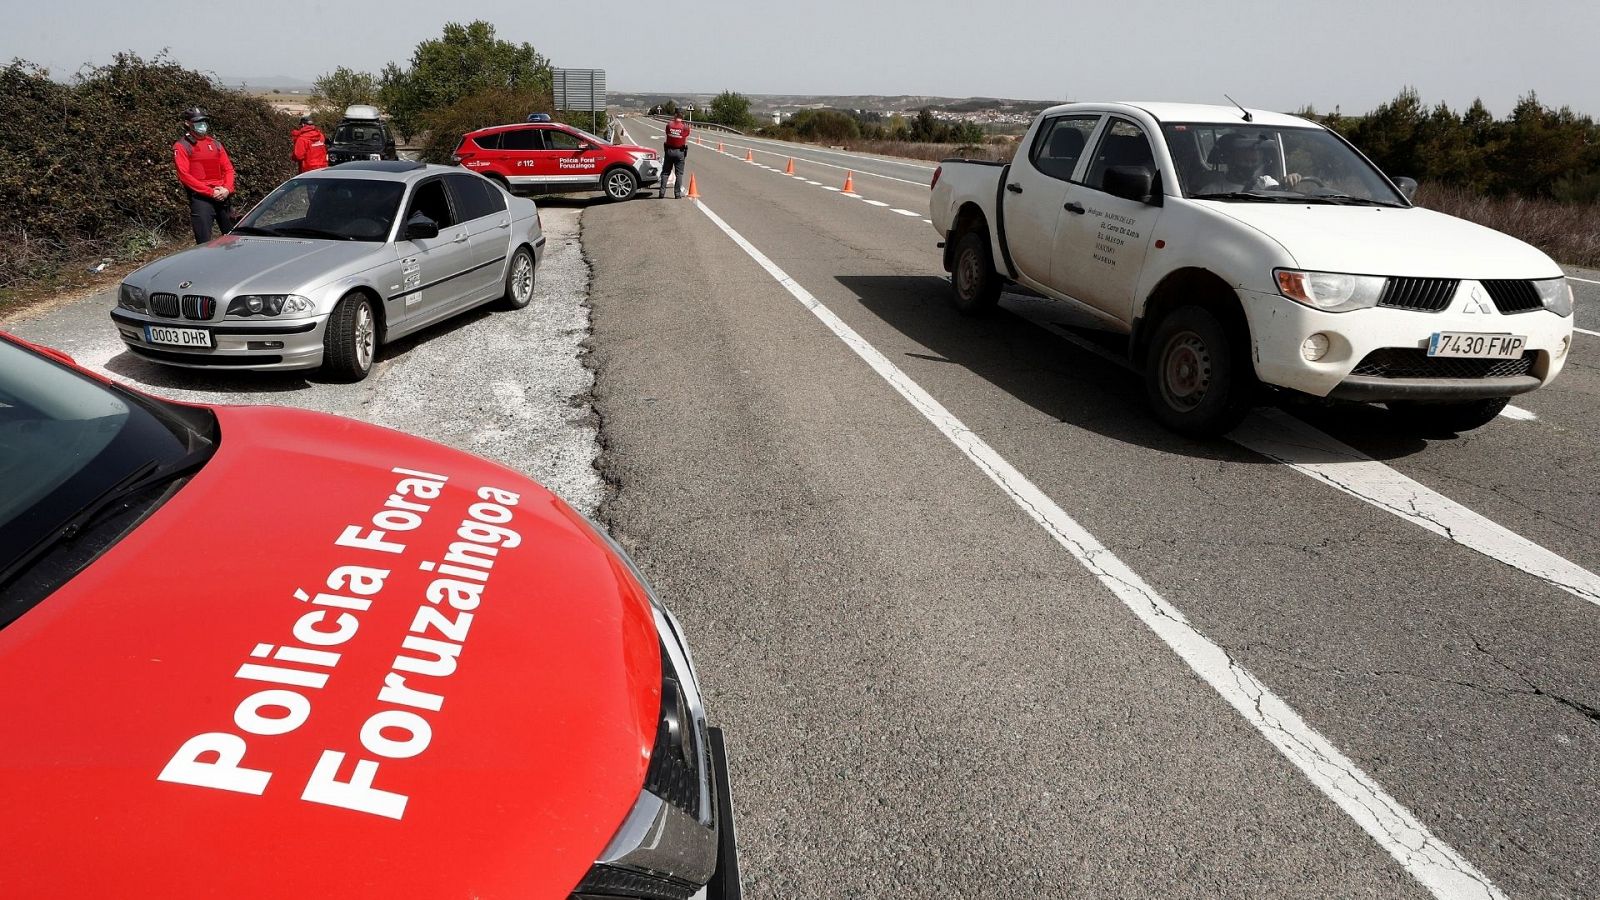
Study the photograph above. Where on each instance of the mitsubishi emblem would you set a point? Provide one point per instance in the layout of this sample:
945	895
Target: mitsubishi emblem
1478	301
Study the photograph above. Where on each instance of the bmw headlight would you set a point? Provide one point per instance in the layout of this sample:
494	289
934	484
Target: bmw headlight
1555	294
1331	291
132	297
285	305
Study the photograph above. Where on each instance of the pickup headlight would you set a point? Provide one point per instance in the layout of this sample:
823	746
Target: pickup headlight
1331	291
132	297
287	305
1555	294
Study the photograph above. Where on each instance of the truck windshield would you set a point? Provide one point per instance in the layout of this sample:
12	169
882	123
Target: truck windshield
369	133
1251	163
339	209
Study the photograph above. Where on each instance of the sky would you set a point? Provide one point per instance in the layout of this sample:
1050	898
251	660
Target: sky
1281	55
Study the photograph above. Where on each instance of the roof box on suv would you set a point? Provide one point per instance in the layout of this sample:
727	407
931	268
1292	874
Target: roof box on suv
362	111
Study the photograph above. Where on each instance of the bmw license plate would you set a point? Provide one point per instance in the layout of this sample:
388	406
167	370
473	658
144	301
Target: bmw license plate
178	337
1476	346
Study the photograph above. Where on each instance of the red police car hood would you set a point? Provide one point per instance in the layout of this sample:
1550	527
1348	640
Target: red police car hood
257	694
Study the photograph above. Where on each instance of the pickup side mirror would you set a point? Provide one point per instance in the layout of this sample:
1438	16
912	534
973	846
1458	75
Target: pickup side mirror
1407	186
1136	183
420	227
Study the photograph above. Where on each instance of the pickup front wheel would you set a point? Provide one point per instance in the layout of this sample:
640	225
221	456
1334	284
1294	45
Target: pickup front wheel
976	283
1196	377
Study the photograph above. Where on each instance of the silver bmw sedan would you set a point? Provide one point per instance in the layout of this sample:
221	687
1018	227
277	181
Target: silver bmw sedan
330	266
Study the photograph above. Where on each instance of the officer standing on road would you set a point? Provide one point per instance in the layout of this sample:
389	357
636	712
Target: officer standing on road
310	147
205	170
675	151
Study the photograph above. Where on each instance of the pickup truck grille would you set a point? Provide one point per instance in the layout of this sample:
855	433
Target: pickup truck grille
1425	294
164	305
1513	295
1414	362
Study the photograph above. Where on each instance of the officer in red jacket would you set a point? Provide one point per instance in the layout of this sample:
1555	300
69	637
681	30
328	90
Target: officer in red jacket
205	170
675	150
310	147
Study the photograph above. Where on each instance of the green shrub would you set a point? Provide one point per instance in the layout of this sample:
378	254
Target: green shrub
84	164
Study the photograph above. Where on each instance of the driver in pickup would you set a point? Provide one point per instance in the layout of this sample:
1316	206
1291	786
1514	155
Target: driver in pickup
1241	165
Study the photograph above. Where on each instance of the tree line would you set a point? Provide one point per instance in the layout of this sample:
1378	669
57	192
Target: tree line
1534	152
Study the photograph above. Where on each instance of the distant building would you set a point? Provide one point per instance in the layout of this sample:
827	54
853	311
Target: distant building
777	118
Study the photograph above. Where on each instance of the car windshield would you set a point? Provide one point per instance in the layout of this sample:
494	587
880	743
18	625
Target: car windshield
68	444
1252	163
589	137
358	133
347	209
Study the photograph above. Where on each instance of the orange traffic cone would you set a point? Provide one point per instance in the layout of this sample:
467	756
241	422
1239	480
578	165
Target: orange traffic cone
719	147
749	156
849	182
789	169
694	190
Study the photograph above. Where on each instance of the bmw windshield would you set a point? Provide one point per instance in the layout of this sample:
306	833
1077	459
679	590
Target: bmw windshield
1264	164
348	209
80	462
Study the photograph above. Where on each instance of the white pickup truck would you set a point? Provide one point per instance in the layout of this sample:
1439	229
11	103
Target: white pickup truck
1238	248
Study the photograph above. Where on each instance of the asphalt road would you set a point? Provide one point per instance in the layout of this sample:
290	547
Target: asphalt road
975	625
930	692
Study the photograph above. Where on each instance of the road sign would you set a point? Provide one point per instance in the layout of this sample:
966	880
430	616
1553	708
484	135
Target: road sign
580	90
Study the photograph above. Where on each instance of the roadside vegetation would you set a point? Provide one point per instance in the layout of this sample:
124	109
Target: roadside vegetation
86	165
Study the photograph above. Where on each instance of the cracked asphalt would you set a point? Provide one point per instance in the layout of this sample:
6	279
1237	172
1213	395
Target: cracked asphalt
927	696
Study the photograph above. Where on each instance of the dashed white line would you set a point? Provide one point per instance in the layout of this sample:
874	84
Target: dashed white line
907	212
829	187
858	171
1435	864
1586	331
1277	435
809	181
1518	414
873	202
1584	280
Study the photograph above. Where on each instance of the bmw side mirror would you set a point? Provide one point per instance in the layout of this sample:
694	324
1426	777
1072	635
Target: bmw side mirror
420	227
1407	186
1136	183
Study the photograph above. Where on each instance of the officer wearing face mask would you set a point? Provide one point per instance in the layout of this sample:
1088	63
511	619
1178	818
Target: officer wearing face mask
207	174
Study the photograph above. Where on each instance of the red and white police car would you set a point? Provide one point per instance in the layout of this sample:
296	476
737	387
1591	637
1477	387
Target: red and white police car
261	652
551	157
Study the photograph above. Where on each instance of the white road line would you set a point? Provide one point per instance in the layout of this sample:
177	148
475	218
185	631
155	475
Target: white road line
929	221
1584	280
1435	864
1280	436
817	162
813	148
874	202
828	187
809	181
1586	331
1277	435
907	212
1519	414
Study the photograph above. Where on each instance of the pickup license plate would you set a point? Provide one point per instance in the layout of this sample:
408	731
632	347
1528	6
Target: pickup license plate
178	337
1476	346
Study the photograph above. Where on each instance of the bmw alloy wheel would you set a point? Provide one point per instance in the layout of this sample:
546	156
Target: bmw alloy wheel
365	336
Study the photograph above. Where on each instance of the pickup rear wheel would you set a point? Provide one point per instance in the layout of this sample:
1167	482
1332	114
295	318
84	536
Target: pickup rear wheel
976	283
1196	377
1453	417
